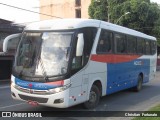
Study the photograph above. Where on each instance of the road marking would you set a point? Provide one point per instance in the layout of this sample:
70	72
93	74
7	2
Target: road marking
5	80
4	87
11	105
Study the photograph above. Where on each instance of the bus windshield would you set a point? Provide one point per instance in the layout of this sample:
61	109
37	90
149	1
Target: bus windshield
43	54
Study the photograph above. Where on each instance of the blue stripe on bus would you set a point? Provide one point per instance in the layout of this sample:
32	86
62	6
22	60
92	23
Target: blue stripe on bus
125	75
34	85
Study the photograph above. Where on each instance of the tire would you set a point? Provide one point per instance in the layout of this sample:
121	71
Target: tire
94	97
139	84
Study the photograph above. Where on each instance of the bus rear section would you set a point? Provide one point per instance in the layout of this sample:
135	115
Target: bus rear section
130	58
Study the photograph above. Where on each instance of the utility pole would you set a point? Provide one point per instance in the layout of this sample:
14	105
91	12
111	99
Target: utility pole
122	16
108	11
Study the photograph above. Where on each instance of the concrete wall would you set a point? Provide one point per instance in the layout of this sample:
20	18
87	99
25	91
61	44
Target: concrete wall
63	8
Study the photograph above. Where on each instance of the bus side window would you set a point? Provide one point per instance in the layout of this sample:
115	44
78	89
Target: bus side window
148	47
120	42
140	46
105	42
131	46
153	47
89	34
77	62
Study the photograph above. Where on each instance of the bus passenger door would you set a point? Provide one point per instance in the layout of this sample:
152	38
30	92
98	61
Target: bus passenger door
85	38
75	93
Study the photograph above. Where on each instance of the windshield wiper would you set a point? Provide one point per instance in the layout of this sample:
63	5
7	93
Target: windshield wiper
46	78
43	69
20	74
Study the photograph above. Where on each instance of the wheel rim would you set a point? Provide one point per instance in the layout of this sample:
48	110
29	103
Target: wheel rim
139	84
92	97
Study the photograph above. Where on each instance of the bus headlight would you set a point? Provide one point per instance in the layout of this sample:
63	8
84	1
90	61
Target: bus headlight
13	84
59	89
13	81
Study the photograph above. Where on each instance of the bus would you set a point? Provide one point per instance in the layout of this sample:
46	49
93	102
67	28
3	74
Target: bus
65	62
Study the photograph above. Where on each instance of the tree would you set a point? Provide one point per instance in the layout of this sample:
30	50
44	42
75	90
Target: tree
143	14
98	9
156	30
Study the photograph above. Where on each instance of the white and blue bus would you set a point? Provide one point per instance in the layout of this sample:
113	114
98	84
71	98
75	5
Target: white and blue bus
61	63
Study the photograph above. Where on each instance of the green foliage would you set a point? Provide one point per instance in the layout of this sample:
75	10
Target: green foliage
144	16
98	9
156	28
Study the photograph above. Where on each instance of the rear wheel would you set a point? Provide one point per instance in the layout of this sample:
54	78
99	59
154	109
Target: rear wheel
94	97
139	84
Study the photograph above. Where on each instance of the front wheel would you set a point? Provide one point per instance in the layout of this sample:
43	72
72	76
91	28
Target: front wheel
139	84
94	97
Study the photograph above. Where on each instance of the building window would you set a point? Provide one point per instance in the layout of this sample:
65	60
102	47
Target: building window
77	3
78	13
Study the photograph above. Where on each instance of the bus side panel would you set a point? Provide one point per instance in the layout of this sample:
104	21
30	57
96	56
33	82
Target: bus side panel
83	80
153	65
96	71
76	88
124	75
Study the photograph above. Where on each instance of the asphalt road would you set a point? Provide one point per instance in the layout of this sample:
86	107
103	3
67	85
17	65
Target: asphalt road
125	100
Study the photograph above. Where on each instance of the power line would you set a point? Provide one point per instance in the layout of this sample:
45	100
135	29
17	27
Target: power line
29	10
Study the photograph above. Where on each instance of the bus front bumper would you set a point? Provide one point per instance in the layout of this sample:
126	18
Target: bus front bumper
57	100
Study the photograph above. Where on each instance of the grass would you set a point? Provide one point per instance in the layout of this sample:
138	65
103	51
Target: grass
156	108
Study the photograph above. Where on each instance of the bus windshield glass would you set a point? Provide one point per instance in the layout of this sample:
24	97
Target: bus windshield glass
43	54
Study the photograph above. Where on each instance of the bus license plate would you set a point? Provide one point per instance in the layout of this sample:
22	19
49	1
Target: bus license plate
33	103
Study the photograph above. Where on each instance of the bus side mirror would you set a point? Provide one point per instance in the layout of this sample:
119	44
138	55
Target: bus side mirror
14	39
80	45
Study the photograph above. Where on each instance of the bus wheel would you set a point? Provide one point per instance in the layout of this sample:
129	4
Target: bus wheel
94	97
139	84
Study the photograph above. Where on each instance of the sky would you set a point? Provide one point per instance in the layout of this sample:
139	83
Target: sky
157	1
20	16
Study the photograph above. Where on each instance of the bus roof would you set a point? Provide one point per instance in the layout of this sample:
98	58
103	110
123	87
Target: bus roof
62	24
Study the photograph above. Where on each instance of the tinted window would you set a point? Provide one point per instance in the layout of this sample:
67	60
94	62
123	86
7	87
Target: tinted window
89	34
140	46
153	47
89	37
148	47
131	46
105	42
120	43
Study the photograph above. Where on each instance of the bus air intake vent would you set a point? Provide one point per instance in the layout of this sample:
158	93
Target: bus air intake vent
37	99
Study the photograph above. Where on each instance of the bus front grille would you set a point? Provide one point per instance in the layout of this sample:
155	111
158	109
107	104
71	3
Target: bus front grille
32	91
37	99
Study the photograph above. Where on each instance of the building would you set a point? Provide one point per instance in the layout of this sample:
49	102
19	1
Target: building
7	28
64	8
